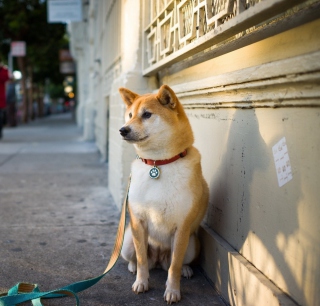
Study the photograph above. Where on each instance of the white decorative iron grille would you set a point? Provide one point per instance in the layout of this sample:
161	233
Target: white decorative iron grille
176	29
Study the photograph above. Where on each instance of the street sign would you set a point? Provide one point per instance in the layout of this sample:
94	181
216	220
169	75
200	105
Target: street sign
64	10
67	67
18	48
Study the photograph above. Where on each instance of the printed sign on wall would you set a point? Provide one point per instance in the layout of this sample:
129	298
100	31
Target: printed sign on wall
282	162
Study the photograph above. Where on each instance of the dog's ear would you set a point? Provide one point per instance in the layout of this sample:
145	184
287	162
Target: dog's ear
127	96
167	97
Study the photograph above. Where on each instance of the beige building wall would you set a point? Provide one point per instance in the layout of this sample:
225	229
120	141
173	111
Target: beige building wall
248	90
79	48
238	115
111	51
270	97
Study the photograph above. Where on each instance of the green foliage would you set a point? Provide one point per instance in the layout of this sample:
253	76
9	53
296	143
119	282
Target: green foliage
27	20
56	91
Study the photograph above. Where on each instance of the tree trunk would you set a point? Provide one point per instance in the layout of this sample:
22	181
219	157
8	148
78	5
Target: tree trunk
39	93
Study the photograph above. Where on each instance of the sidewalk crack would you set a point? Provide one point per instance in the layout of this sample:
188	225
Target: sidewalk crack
10	157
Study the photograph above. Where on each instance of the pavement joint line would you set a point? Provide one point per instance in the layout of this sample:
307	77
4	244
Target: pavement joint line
11	157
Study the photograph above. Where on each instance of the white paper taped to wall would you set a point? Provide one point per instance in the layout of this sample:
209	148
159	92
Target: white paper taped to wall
282	162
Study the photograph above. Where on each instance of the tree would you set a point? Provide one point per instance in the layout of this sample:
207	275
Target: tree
27	20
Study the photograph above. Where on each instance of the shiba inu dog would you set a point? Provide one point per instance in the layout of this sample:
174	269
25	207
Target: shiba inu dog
168	195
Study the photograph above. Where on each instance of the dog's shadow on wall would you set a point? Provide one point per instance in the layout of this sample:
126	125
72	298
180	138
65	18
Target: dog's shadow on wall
238	211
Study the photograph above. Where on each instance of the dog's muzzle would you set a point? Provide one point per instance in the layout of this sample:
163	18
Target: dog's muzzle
124	131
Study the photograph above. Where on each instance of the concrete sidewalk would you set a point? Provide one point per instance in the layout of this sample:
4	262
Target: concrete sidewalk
58	220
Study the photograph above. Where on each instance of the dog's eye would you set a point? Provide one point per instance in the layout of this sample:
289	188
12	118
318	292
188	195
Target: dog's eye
130	115
146	115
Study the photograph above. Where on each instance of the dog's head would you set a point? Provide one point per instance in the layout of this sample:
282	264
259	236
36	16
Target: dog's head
153	121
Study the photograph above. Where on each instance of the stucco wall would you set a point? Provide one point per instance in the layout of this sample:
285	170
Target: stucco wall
238	116
275	228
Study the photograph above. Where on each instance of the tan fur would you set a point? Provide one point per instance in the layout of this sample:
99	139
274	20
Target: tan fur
165	213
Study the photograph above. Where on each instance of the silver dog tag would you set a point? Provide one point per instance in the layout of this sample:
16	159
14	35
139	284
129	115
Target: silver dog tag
154	172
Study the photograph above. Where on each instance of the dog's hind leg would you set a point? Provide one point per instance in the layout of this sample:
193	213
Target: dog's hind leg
165	259
153	254
128	251
191	254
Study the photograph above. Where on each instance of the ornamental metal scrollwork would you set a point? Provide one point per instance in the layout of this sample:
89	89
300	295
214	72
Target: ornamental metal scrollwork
166	34
173	24
152	46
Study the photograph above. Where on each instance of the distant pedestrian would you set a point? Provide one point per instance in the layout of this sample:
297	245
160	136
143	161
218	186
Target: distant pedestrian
4	77
11	100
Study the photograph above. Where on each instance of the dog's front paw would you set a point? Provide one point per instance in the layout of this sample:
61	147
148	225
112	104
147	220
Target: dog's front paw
172	296
186	271
140	286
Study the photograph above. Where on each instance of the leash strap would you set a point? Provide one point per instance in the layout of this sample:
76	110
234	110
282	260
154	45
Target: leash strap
23	292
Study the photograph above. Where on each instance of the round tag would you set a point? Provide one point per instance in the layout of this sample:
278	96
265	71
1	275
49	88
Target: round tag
154	172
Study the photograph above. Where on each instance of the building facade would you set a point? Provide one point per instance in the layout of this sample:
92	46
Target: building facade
248	75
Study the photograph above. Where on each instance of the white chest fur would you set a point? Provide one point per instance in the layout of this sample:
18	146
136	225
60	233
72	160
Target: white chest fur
165	202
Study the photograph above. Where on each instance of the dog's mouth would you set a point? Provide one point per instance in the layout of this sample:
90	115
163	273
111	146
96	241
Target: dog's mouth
133	140
131	136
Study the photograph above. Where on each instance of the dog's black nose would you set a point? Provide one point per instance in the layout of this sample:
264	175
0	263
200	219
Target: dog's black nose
124	131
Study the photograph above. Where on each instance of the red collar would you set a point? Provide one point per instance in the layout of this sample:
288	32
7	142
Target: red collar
152	162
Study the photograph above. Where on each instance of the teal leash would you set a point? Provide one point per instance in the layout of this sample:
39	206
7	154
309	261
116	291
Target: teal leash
23	292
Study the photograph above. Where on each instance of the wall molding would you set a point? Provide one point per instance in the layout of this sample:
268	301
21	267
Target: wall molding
293	82
233	276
